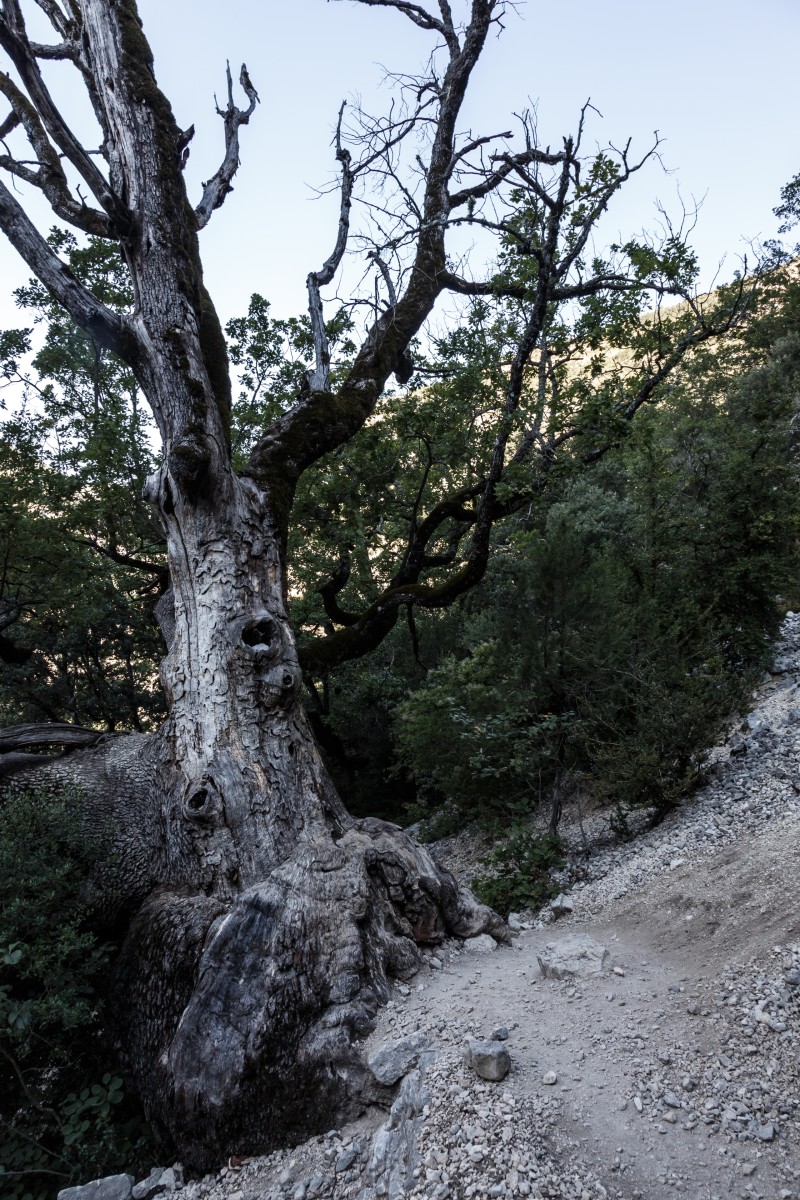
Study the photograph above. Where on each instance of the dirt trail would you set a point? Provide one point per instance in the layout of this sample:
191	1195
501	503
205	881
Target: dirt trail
672	940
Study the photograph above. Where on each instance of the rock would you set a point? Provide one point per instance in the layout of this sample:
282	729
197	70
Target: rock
561	906
390	1063
781	666
500	1034
490	1060
345	1160
514	923
550	1078
394	1155
765	1133
792	978
112	1187
576	956
484	943
159	1180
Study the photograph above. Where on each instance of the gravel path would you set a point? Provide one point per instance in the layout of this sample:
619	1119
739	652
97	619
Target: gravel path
674	1071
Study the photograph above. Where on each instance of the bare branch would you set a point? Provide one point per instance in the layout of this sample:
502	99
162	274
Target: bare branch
57	18
320	421
329	591
509	164
476	144
49	177
107	327
62	51
58	734
218	187
603	199
484	287
319	375
387	278
159	570
14	40
415	13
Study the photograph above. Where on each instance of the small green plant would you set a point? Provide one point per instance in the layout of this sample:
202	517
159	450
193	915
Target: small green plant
64	1112
520	872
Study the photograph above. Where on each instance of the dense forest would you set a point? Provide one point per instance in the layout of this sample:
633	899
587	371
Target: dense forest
543	560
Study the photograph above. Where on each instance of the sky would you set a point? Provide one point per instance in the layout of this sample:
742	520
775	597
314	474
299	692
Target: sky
716	78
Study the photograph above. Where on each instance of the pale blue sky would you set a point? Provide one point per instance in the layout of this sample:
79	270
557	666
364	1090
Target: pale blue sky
717	78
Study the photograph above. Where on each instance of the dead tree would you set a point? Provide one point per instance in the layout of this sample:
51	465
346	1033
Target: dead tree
264	924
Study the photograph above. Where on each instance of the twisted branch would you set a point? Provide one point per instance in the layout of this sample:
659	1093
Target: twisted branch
219	185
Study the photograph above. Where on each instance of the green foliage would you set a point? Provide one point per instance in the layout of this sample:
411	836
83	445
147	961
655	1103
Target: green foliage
519	875
83	563
626	618
789	208
271	357
475	738
64	1112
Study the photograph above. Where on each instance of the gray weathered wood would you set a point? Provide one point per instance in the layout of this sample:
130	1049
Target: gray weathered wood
47	734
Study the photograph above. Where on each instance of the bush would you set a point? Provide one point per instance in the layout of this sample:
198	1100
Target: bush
627	617
64	1111
520	874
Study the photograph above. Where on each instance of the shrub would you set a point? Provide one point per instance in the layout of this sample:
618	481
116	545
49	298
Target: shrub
520	874
64	1110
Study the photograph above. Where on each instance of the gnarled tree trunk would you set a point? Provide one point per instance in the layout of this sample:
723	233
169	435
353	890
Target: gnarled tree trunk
272	922
265	923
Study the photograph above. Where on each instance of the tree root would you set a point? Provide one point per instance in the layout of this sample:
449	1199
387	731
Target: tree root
261	1048
239	1016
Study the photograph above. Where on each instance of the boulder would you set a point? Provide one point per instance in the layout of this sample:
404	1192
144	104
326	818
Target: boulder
390	1063
484	943
490	1060
112	1187
160	1181
576	956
